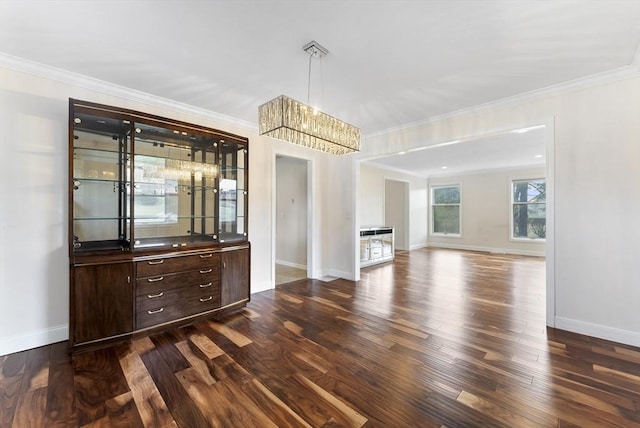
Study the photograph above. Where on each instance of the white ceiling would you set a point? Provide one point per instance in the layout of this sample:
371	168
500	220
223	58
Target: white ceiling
523	147
391	62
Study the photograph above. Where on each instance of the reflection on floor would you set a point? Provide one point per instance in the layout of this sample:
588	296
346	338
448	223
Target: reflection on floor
436	338
286	274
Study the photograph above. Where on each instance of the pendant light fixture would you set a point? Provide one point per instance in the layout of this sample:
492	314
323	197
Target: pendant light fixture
289	120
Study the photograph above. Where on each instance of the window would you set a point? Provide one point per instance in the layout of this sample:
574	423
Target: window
156	200
228	200
529	209
445	210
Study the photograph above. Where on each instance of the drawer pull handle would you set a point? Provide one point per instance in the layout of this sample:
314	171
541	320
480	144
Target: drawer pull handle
155	262
205	256
155	311
206	270
160	278
153	296
203	299
205	285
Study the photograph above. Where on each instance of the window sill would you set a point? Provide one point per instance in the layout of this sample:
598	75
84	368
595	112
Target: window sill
529	240
446	235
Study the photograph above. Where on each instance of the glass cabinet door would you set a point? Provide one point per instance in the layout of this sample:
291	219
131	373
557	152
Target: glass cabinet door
100	154
233	192
142	182
174	185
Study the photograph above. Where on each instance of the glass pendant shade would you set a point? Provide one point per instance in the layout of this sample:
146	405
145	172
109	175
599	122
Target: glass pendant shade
289	120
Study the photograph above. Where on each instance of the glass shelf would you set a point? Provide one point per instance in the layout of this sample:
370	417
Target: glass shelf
174	242
99	180
194	217
100	218
97	152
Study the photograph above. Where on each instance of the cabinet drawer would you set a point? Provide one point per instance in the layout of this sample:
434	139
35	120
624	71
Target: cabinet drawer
150	317
163	298
159	266
376	253
163	283
375	243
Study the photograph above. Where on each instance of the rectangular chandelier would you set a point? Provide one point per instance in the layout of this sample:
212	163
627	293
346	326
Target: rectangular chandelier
289	120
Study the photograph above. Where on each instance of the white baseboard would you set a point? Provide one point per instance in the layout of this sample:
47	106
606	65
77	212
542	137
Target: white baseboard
33	339
418	246
325	273
350	276
627	337
257	287
291	264
489	249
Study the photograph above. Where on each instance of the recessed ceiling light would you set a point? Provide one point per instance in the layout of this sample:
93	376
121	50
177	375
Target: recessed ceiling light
539	156
444	167
401	153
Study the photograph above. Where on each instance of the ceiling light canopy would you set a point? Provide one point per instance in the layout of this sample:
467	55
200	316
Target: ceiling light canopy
289	120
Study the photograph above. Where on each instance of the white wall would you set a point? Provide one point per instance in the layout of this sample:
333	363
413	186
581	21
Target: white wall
291	208
338	210
34	263
372	201
486	211
396	206
593	245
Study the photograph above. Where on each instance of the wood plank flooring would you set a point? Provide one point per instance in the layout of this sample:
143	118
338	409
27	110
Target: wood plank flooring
438	338
285	274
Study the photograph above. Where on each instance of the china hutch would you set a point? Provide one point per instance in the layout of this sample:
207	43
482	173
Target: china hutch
157	223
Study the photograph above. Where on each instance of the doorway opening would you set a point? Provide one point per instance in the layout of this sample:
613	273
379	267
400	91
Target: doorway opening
396	211
292	201
496	159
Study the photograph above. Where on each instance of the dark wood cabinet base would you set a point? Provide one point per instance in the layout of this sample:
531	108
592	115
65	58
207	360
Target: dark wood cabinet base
113	300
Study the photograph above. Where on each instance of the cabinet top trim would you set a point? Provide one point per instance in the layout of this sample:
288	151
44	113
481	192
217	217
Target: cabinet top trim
125	257
133	114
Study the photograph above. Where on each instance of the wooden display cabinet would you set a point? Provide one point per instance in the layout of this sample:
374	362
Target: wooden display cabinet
157	225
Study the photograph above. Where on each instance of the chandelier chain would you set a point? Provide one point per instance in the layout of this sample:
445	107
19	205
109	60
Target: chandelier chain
321	84
317	51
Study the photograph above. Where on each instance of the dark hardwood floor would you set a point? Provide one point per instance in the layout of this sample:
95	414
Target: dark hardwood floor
438	338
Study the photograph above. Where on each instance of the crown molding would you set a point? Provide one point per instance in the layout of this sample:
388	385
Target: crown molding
76	79
609	76
64	76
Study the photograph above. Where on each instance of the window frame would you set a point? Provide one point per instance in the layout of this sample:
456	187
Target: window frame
432	232
513	203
